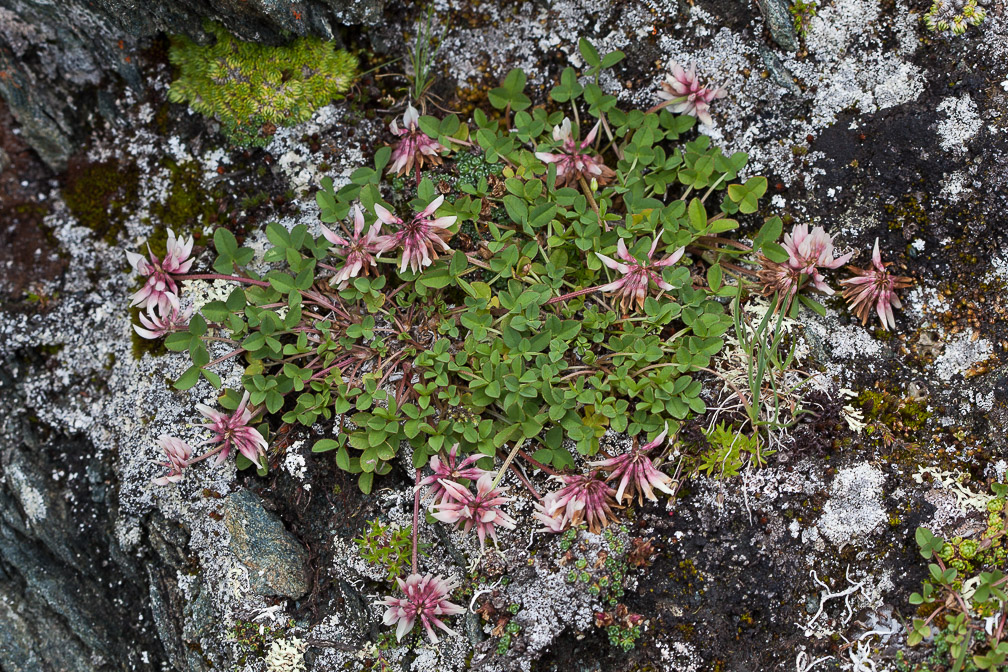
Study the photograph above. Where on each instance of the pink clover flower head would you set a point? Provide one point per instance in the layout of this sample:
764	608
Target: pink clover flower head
584	498
177	453
780	279
875	286
414	146
808	252
357	250
156	326
553	516
420	239
481	510
637	277
636	471
687	96
234	431
446	468
426	598
573	161
160	289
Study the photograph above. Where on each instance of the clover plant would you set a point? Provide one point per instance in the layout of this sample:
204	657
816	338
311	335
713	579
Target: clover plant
504	338
965	592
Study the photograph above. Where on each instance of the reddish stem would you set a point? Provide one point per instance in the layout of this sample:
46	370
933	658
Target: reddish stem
538	465
573	295
416	518
236	351
521	477
205	455
323	372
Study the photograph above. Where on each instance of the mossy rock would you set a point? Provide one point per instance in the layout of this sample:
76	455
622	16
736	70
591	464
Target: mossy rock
100	195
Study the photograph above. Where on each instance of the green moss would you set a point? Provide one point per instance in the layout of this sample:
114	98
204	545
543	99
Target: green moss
253	202
252	88
188	207
898	414
909	212
101	194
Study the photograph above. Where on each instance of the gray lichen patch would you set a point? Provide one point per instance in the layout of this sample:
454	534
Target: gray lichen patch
855	508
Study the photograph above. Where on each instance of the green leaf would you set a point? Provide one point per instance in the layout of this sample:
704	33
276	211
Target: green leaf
589	53
188	379
775	253
748	195
324	445
216	311
212	378
197	325
510	92
714	277
697	215
254	341
813	304
612	58
928	542
199	354
225	242
568	87
381	159
281	282
768	233
178	341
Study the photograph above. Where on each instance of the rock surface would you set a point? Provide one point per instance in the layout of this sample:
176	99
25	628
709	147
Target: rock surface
273	557
873	129
55	55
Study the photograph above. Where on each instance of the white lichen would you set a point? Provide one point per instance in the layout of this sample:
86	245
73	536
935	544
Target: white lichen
286	655
854	509
961	123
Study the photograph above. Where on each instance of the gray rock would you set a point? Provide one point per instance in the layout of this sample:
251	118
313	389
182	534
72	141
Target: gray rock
54	55
778	71
780	23
67	601
274	558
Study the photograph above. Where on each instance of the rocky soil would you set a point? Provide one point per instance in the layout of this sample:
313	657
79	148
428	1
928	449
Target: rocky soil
867	125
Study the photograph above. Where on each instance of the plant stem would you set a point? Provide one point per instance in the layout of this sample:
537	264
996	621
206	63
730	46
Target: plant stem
205	455
612	141
573	295
507	463
521	477
236	351
416	518
591	201
538	465
713	187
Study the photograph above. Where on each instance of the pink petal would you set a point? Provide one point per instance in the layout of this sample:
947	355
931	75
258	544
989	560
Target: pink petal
434	205
613	264
386	216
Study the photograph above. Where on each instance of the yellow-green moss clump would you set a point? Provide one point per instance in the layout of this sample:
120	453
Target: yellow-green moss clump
100	195
251	88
